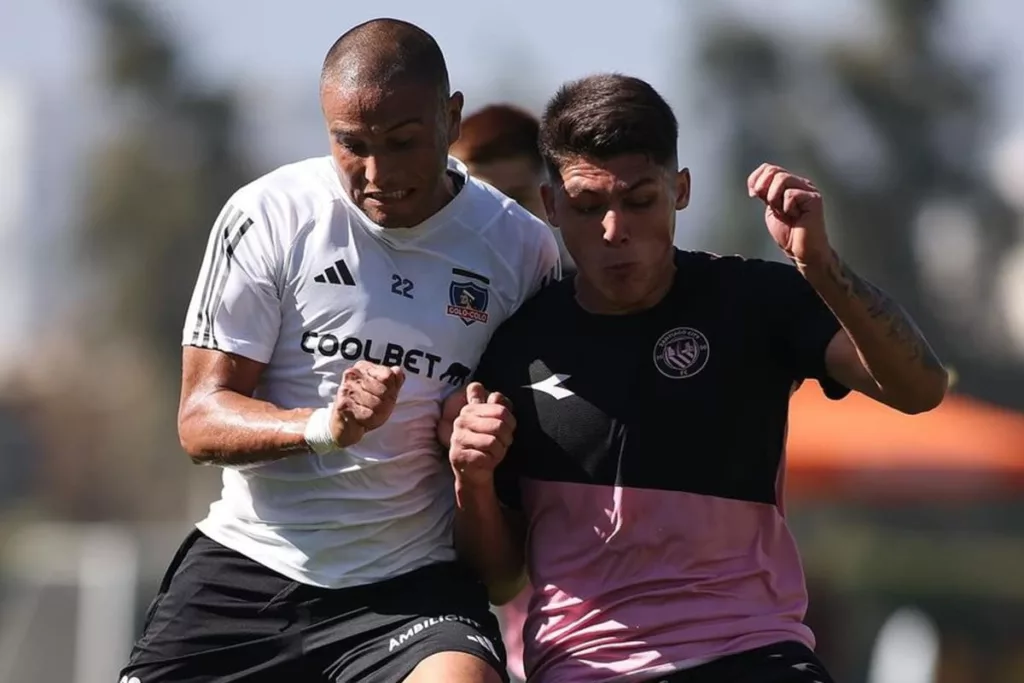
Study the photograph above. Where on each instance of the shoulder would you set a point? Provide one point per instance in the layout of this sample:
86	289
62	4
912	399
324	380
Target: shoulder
546	308
734	269
501	222
289	197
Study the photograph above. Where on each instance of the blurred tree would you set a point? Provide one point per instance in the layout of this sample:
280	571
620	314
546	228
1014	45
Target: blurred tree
892	130
155	188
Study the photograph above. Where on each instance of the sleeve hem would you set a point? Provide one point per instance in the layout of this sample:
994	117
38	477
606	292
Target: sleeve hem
829	386
251	350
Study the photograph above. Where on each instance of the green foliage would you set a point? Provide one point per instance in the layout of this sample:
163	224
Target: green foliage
884	127
156	186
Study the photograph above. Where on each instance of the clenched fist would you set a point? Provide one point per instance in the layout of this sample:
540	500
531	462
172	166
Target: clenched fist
364	401
481	435
794	213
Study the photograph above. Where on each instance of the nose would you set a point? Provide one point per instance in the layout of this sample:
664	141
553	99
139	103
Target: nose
615	230
372	172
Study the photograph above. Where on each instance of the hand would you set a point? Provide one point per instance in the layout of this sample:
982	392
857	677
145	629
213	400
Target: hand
794	213
481	435
450	410
364	401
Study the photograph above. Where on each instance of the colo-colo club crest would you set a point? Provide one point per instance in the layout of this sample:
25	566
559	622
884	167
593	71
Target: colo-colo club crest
468	296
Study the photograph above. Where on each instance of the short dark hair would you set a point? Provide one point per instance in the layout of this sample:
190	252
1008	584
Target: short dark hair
383	51
605	116
498	132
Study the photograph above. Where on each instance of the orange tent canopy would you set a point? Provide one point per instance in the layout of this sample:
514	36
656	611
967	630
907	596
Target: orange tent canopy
858	447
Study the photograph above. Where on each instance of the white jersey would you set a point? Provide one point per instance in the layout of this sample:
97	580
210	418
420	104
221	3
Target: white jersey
296	277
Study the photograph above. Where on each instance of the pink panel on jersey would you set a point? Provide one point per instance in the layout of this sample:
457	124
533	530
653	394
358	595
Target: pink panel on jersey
639	582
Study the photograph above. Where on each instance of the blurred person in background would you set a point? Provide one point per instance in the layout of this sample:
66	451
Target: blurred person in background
340	300
498	144
633	418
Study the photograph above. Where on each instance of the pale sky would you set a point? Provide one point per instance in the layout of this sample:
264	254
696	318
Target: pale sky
268	46
272	50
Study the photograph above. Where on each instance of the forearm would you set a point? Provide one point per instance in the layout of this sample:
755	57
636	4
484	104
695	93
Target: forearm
488	540
891	347
226	428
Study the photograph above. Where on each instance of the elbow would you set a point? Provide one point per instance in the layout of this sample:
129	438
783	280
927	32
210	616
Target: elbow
926	394
190	433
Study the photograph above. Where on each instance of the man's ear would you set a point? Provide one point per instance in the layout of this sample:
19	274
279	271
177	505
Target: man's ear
547	194
455	104
682	189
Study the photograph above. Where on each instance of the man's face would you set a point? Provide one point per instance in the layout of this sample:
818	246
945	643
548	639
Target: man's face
391	148
618	221
518	177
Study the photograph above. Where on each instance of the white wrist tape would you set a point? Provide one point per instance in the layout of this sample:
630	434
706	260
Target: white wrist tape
318	432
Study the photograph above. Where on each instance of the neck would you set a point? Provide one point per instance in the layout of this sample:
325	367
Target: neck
446	190
445	193
592	301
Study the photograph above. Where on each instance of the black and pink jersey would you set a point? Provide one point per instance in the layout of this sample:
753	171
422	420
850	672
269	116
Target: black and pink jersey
648	461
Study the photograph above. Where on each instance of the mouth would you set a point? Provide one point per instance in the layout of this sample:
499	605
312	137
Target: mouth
388	197
620	268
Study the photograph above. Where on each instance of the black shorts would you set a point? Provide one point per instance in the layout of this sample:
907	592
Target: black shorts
782	663
220	616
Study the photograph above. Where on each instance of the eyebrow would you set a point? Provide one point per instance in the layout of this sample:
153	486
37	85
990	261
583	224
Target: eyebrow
641	183
576	191
341	130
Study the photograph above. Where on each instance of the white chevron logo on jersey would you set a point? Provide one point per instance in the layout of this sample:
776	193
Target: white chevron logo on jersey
486	644
552	387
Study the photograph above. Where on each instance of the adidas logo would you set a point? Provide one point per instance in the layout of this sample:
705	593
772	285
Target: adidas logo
336	275
486	644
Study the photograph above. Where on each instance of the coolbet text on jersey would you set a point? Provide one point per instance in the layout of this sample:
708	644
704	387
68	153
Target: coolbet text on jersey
296	277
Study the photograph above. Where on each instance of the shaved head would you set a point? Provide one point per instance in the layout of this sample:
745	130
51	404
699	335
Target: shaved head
391	117
382	53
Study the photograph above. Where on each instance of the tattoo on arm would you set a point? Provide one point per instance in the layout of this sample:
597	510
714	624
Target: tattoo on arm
898	325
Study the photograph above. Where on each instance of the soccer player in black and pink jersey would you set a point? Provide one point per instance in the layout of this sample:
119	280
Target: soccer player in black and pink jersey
624	438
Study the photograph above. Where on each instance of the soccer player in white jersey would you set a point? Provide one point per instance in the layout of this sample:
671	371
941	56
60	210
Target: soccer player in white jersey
340	301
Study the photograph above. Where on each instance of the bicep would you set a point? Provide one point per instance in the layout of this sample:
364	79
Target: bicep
205	372
844	364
